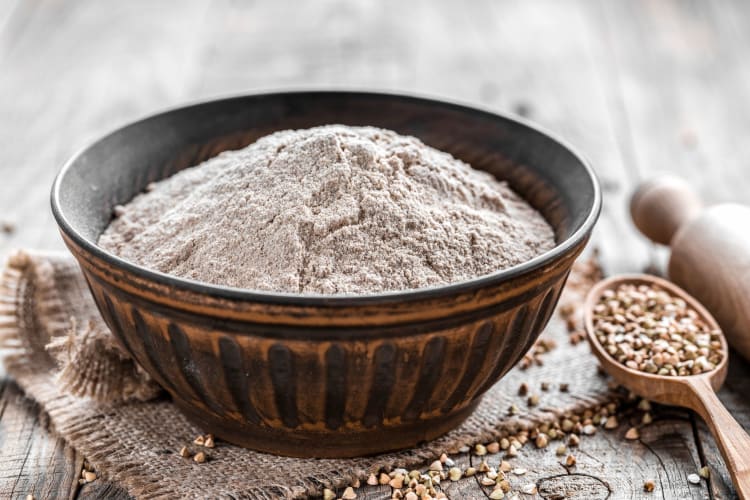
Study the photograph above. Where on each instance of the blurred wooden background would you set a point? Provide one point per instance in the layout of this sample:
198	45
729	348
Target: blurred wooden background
638	85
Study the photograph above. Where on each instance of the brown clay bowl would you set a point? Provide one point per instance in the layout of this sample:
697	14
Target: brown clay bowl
313	375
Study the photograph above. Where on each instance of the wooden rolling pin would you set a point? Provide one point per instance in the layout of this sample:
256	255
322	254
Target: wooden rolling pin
710	250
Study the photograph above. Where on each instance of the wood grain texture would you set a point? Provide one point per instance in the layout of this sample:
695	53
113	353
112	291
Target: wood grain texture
102	489
32	460
638	85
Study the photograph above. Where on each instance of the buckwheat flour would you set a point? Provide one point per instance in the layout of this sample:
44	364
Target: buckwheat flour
329	210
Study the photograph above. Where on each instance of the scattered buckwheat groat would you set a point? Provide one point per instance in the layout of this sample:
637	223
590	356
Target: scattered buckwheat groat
497	494
529	489
632	434
501	477
648	329
534	356
577	287
87	473
7	227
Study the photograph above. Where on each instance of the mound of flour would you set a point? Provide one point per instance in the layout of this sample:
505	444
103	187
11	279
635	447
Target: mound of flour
330	210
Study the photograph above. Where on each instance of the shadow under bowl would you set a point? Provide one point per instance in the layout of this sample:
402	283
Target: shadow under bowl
314	375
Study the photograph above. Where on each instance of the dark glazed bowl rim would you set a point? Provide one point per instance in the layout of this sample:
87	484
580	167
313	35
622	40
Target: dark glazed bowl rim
316	300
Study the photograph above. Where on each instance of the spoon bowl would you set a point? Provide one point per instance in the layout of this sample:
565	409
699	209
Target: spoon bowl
696	392
664	389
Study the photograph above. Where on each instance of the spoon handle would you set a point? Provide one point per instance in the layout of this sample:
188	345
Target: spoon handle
733	441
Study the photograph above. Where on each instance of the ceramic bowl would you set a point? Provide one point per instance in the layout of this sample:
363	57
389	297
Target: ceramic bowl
314	375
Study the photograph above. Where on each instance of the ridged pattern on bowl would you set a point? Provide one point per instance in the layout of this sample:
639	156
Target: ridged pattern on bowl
343	385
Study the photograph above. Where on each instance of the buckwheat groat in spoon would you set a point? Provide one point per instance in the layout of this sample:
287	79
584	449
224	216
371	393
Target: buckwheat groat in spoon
659	342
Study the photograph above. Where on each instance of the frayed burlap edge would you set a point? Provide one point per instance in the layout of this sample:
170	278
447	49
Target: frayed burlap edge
87	358
15	282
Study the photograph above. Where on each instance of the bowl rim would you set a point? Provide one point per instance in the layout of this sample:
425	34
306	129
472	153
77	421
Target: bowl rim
316	299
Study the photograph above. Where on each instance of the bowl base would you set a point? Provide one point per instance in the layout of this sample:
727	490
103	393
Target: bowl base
327	444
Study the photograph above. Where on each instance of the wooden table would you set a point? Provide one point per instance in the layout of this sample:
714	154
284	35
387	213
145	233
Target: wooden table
640	86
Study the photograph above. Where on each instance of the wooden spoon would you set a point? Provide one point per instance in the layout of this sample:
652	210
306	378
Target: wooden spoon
695	391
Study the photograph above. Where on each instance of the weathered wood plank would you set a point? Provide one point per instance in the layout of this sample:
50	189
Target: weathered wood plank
32	460
102	489
608	464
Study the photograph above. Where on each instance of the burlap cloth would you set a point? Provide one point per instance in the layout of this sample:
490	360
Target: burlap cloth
61	354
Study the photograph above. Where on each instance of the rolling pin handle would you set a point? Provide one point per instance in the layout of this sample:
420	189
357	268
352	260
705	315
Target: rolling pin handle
660	206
